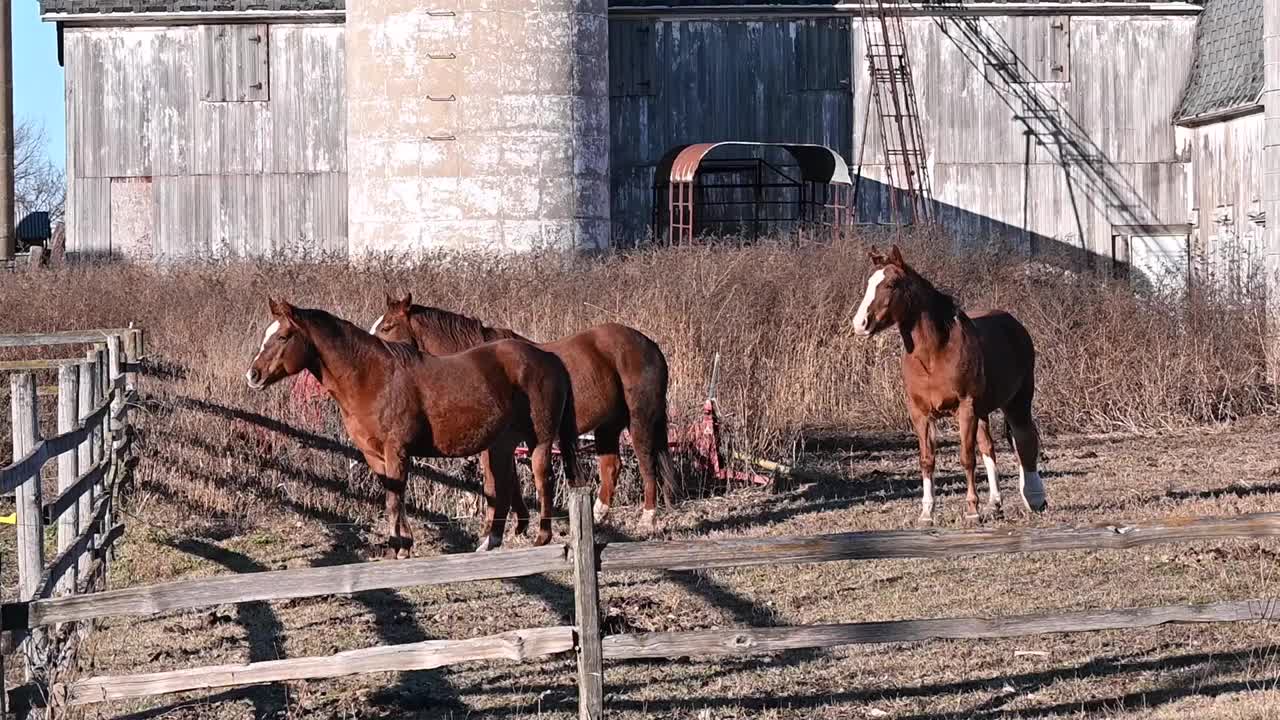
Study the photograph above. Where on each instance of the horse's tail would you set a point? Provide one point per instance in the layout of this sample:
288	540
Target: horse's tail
664	467
568	434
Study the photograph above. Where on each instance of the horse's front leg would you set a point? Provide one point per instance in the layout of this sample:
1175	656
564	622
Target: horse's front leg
499	476
967	420
395	481
923	426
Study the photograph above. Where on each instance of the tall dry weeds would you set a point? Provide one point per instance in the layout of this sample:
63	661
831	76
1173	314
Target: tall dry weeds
778	316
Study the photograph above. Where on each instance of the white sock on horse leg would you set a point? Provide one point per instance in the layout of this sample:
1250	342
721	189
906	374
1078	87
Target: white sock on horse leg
601	511
993	484
926	497
492	541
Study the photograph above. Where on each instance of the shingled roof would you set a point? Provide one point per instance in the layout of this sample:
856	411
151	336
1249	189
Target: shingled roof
1227	71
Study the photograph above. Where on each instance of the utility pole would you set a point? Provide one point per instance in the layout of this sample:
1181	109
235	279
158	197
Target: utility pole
7	245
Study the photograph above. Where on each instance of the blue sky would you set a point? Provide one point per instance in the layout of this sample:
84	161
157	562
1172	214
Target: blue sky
37	77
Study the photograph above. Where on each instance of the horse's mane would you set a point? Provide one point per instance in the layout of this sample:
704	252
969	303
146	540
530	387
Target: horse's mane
350	335
923	298
462	331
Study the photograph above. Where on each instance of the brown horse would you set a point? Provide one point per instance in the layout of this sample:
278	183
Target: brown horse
619	381
398	403
956	364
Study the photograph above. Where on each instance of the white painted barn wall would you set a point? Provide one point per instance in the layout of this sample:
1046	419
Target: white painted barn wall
1115	92
171	151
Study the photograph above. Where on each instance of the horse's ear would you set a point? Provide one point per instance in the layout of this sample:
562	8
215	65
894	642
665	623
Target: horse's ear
895	256
408	300
281	309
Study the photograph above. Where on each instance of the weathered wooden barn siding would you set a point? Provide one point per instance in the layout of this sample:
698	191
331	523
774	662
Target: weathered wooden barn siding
200	140
1227	183
685	81
1078	148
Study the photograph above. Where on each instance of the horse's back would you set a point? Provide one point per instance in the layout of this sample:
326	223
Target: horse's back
1008	352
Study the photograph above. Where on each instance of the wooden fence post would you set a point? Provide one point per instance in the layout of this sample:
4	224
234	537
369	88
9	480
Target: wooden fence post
132	356
100	444
586	596
68	465
30	516
26	433
88	386
115	360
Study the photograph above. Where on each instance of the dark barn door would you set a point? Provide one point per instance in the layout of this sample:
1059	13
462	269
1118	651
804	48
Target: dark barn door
676	82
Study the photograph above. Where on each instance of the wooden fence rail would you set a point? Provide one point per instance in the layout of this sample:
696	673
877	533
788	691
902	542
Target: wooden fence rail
90	448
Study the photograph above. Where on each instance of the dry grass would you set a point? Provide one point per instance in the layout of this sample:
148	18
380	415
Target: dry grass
777	315
236	481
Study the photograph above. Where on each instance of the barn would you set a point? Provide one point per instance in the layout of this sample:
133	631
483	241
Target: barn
1128	132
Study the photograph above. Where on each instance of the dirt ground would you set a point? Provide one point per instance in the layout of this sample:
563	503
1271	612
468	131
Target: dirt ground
1227	671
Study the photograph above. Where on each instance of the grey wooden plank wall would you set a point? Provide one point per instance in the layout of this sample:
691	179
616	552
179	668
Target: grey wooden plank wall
677	82
206	139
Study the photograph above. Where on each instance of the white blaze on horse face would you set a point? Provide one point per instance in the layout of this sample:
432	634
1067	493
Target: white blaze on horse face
860	320
272	329
376	324
993	486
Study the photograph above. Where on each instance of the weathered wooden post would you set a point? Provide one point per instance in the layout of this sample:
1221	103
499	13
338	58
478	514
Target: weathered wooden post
119	420
133	356
68	465
30	516
88	388
100	440
586	596
26	432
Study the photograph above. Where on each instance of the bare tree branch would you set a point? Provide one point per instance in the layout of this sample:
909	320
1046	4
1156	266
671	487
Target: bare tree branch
39	184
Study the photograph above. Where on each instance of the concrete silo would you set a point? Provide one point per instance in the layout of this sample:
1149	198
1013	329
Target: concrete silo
477	124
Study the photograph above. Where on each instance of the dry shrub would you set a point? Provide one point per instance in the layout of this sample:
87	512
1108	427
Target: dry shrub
778	316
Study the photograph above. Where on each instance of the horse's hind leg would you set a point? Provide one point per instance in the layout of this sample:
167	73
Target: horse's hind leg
647	405
498	479
607	447
1026	443
541	470
988	449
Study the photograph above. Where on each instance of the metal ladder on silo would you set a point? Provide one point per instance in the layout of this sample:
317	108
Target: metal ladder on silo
901	137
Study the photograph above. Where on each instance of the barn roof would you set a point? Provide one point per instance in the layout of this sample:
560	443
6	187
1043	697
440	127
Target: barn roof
126	7
1227	71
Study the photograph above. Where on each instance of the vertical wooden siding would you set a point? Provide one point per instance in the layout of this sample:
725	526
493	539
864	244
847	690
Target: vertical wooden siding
765	81
228	177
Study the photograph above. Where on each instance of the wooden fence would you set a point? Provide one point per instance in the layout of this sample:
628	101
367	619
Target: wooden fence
586	559
91	448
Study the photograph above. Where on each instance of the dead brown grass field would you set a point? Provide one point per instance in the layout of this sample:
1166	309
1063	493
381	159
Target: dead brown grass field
1150	409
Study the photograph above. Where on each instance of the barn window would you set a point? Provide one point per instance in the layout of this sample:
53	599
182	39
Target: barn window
631	58
1154	259
234	63
822	57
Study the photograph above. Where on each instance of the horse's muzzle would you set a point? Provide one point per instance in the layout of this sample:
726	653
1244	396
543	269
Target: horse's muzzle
254	380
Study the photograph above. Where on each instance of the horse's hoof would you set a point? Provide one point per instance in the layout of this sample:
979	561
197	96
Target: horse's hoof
649	521
522	527
403	554
388	553
600	511
544	537
489	543
926	519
